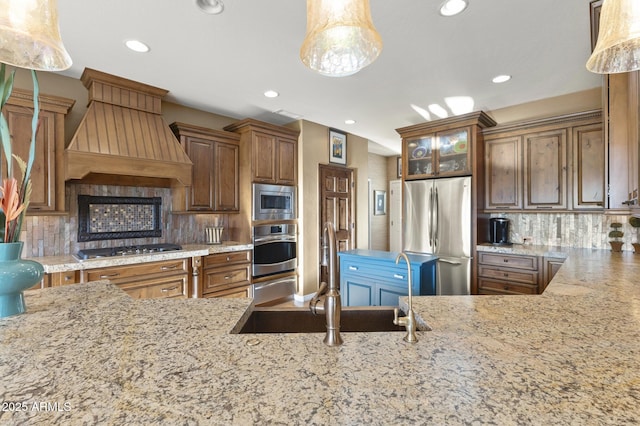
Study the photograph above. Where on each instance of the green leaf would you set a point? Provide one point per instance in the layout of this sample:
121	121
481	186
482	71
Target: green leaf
34	130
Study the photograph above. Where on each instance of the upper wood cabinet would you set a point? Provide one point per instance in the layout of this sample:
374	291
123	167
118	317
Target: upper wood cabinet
588	167
545	170
442	148
549	164
47	175
215	181
622	124
272	150
503	187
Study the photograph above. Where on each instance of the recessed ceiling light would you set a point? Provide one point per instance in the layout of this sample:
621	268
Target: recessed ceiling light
501	78
271	94
137	46
212	7
349	121
453	7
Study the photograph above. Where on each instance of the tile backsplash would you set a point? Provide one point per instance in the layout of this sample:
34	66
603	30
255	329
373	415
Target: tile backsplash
58	235
579	230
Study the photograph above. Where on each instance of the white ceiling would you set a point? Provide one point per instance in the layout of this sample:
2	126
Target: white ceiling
224	63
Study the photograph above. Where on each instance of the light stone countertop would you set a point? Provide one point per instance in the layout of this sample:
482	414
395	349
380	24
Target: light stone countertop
568	356
52	264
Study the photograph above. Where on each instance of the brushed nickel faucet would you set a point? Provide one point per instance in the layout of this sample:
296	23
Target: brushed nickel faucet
409	321
330	292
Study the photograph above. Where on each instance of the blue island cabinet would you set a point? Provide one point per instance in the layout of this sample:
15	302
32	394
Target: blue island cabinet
372	278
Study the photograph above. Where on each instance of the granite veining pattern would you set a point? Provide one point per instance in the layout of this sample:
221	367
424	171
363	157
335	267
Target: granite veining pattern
52	264
568	356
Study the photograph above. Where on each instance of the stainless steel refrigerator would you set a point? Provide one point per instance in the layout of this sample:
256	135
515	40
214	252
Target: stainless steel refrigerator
437	220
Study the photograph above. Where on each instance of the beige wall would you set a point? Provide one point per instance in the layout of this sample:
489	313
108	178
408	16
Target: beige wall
574	102
313	149
379	181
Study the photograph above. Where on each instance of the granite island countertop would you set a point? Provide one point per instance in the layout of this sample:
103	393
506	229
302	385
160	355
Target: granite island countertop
568	356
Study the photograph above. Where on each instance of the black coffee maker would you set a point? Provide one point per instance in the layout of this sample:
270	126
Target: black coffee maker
499	231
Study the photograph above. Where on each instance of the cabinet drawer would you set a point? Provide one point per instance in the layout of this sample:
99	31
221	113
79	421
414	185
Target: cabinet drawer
175	286
528	277
220	259
233	292
119	273
488	286
57	279
510	261
223	278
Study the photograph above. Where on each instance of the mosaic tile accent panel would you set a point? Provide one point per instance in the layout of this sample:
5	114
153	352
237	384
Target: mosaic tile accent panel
120	217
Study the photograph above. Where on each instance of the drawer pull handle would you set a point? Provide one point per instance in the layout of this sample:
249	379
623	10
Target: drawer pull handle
506	275
353	268
68	277
505	260
169	268
227	277
228	258
398	276
164	290
116	274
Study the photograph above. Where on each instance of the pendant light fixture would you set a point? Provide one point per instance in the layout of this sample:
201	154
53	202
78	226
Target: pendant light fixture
618	46
340	39
30	36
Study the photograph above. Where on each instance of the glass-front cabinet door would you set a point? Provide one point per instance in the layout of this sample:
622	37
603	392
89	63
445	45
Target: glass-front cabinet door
420	157
453	153
444	153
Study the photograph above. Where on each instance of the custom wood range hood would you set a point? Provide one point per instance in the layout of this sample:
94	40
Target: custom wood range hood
123	138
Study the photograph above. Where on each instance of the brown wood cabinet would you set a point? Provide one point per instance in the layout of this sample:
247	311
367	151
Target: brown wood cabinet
503	180
272	150
268	154
215	178
226	274
507	274
588	167
545	170
551	267
58	279
549	164
622	132
442	148
163	279
47	175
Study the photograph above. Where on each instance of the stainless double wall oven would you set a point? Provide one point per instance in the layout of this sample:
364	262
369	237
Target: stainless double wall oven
274	242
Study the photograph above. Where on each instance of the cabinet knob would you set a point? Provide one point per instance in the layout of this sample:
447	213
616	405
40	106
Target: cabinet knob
505	260
506	274
228	258
68	277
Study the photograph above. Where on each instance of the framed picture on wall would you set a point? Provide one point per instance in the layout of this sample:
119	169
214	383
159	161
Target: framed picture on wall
380	200
337	147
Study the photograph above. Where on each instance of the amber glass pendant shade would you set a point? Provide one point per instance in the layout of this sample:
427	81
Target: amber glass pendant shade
341	38
30	36
618	46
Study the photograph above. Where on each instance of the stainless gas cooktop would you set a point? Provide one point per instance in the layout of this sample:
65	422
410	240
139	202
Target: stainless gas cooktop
125	250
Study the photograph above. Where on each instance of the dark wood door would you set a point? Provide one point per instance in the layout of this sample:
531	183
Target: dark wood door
336	206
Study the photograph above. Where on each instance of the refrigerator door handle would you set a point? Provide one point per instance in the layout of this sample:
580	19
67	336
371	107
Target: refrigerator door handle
436	222
431	217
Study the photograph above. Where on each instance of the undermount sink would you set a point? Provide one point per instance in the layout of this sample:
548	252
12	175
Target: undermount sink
301	320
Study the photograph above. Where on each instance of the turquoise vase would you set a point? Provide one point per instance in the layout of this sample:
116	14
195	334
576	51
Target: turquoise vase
16	275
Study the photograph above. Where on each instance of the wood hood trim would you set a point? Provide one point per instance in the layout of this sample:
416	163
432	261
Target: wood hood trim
123	134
